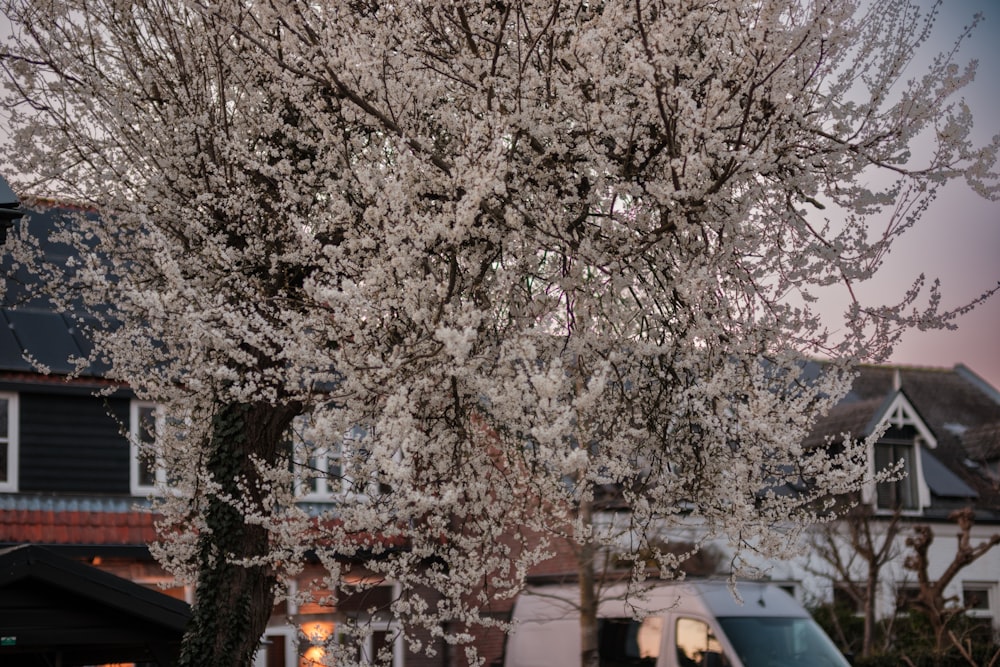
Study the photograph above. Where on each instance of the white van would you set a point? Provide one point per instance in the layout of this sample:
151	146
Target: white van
688	624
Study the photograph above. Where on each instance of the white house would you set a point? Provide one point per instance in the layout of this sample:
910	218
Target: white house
943	429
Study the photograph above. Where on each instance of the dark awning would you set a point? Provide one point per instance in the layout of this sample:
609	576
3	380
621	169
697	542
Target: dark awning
57	611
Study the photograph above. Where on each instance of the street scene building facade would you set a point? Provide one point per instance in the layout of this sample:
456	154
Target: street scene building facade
72	480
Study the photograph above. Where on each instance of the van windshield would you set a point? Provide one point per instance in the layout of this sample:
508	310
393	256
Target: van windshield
781	642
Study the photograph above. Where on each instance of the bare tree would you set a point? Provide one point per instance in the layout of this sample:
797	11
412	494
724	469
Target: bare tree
930	597
855	548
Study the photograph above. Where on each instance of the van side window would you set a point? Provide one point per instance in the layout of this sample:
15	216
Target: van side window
697	645
623	642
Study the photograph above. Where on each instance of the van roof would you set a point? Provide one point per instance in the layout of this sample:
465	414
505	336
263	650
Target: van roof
709	598
756	599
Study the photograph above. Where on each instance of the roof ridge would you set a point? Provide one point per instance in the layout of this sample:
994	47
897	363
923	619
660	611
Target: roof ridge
979	383
908	367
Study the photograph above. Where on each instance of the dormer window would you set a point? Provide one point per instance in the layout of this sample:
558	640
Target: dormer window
897	493
899	449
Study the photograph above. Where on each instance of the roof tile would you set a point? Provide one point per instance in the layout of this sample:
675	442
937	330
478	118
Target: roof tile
68	527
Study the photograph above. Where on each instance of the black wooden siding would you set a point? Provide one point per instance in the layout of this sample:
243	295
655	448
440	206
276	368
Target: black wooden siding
71	444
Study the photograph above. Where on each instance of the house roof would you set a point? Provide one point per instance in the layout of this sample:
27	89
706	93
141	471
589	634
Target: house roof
7	196
54	610
74	521
942	481
982	442
31	327
962	412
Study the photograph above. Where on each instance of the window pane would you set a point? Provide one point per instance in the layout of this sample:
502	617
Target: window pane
907	495
976	598
843	599
697	646
334	469
883	460
770	640
625	641
906	596
900	493
310	476
145	434
147	469
4	405
147	425
381	644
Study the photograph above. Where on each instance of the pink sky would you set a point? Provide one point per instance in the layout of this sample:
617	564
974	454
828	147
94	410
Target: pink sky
958	240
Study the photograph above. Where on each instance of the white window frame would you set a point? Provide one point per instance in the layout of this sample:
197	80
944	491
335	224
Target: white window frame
391	627
135	460
987	588
342	488
314	471
11	441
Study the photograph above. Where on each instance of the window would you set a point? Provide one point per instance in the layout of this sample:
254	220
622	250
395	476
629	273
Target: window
278	648
897	493
906	597
776	640
697	645
380	639
899	450
326	472
976	599
845	598
319	472
8	442
626	641
146	469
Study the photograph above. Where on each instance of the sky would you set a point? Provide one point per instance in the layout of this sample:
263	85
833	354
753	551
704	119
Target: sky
958	240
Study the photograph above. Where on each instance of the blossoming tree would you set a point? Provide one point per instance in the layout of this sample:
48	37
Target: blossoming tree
530	249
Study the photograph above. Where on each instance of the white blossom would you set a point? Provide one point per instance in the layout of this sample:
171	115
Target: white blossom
530	249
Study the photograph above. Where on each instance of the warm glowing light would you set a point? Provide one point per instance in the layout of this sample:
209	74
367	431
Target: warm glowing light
317	632
312	657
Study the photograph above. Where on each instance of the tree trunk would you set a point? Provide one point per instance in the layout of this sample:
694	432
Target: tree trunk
233	602
589	656
868	637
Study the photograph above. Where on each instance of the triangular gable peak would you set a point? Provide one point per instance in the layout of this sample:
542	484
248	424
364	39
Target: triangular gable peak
900	444
898	412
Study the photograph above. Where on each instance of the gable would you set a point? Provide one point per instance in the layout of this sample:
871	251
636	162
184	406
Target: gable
898	413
